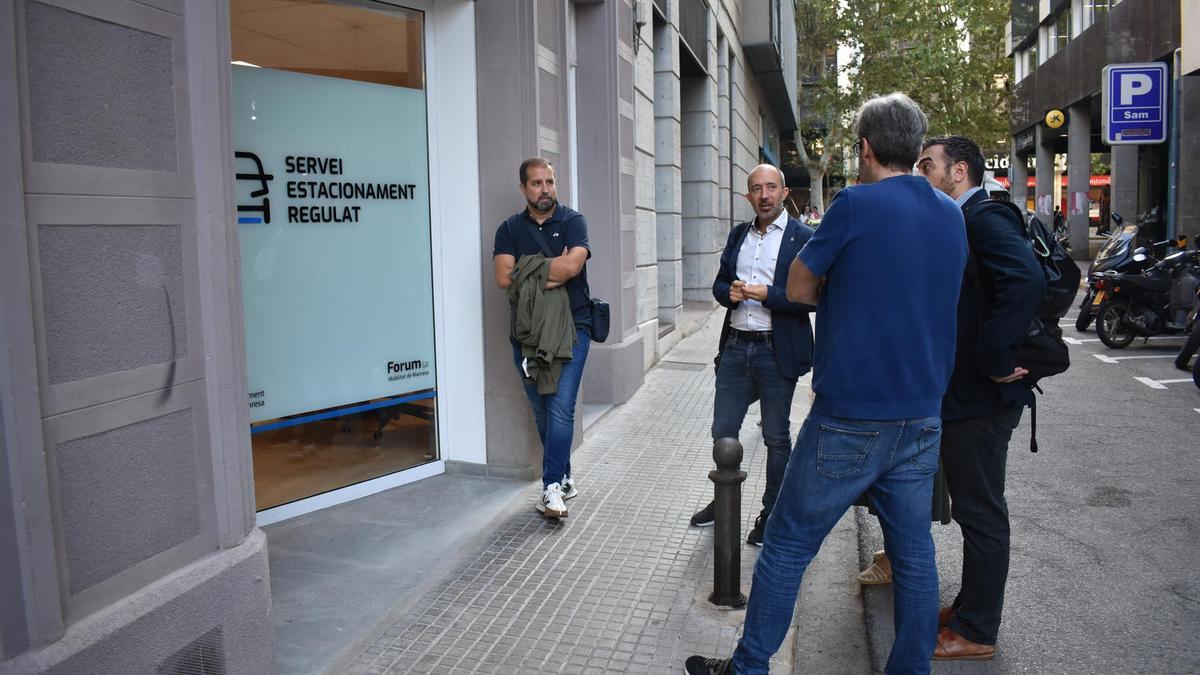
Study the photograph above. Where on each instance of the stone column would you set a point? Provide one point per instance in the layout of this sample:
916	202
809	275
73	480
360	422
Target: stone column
1079	170
605	99
702	232
668	160
128	539
1124	188
1188	204
1018	176
1045	175
646	256
508	134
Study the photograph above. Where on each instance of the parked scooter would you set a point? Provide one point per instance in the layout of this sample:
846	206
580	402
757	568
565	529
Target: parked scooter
1142	304
1116	254
1120	254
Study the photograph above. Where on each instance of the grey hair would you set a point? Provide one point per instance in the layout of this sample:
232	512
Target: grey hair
894	126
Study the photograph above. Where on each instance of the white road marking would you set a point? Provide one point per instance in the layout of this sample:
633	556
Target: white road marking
1196	409
1117	359
1161	384
1072	341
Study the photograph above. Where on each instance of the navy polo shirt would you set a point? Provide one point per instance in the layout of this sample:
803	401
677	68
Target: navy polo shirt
892	254
565	227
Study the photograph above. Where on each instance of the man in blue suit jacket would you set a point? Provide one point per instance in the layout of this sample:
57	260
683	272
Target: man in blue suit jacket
985	398
768	342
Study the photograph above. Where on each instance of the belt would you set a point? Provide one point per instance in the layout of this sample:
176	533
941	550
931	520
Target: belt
751	335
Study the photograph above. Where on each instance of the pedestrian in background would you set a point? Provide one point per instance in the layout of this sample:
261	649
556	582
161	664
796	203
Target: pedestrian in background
884	269
1001	290
542	228
766	343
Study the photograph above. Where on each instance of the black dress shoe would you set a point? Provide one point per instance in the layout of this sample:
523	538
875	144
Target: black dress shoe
755	538
698	665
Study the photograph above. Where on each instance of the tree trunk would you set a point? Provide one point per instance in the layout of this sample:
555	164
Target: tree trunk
816	188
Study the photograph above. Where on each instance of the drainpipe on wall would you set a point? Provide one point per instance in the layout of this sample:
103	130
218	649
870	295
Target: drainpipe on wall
1173	149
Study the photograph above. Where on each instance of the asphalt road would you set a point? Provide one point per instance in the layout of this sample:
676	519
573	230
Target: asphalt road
1105	572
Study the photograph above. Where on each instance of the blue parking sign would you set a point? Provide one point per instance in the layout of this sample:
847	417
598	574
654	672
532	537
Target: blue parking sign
1135	103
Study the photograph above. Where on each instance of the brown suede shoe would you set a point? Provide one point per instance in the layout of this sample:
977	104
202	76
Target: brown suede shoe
953	647
944	616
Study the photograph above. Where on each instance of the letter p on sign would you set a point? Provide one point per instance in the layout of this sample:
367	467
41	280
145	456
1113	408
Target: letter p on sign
1134	84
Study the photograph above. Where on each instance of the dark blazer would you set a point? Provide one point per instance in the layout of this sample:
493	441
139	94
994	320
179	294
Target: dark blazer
995	308
791	331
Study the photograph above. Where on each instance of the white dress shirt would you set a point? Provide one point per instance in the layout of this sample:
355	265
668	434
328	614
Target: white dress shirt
756	265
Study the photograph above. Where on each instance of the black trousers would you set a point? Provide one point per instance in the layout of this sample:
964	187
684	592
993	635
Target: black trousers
974	457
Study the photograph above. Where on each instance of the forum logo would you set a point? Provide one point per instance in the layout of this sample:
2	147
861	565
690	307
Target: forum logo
260	177
406	369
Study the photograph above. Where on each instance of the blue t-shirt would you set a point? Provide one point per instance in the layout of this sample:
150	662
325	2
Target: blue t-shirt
564	228
892	254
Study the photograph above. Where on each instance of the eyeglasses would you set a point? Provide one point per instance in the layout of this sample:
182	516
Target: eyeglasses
857	148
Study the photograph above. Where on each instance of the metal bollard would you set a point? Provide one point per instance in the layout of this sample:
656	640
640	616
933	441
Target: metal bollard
727	488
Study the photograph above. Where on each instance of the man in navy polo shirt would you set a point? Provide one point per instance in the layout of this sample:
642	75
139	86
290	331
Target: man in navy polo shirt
565	231
884	270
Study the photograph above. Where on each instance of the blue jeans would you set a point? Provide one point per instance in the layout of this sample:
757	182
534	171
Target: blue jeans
749	371
835	461
555	413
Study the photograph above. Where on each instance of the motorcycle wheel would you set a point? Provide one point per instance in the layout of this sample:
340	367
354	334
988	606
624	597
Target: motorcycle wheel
1112	328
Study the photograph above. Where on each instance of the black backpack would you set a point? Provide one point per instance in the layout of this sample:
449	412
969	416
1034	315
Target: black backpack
1043	353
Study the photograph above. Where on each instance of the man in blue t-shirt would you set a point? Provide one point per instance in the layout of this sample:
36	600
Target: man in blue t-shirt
884	270
564	233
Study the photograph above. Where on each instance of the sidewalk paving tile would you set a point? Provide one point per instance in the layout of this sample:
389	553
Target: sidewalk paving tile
620	585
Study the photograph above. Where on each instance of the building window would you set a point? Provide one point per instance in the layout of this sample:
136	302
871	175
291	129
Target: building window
1096	9
1062	30
1032	54
329	127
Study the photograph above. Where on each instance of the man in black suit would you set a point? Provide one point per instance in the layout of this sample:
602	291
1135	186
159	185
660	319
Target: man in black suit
1002	287
768	341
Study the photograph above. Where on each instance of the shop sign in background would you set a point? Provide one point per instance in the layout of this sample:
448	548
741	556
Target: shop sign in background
333	212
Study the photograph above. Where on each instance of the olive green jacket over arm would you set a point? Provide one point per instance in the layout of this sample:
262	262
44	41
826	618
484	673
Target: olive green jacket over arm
541	321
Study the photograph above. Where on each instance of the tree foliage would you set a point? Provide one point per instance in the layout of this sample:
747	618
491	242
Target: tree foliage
948	55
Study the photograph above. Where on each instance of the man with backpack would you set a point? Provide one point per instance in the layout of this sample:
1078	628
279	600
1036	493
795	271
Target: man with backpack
1002	289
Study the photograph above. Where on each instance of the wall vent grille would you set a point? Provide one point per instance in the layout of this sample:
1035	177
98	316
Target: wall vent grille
203	656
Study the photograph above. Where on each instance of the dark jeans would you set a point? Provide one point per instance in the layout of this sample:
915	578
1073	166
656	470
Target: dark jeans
974	457
554	413
836	460
749	371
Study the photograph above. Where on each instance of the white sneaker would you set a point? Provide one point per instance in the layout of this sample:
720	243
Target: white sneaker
568	488
551	504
